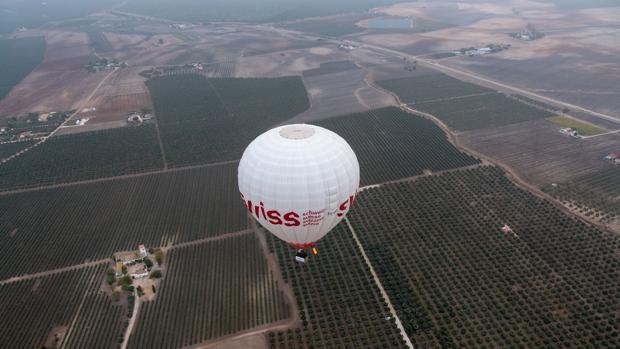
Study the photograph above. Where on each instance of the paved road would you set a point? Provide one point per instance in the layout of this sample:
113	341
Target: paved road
478	78
455	71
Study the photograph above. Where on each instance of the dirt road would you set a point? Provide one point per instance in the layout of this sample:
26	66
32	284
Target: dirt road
43	139
399	324
53	271
108	260
132	321
105	179
291	322
463	74
478	78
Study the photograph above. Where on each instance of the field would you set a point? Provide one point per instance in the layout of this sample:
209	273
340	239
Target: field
329	26
582	127
209	120
330	68
35	309
539	153
84	156
59	82
8	149
339	304
339	93
482	111
392	144
431	87
548	66
458	280
49	229
596	195
116	107
576	4
210	290
18	57
247	10
121	94
461	105
31	13
98	41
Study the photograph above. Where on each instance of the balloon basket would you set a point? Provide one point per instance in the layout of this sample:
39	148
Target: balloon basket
301	256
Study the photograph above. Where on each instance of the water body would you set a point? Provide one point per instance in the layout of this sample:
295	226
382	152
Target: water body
390	23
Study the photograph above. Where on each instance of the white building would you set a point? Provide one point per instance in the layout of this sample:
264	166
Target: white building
140	275
143	250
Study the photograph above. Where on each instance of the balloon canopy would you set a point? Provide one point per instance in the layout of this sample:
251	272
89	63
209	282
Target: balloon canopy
299	181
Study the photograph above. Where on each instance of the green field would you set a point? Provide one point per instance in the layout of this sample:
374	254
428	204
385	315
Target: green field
84	156
210	120
482	111
330	68
55	228
430	87
18	57
457	280
210	290
595	195
461	105
31	309
339	303
8	149
392	144
581	127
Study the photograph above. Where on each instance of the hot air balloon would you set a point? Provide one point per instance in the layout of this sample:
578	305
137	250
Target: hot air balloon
298	181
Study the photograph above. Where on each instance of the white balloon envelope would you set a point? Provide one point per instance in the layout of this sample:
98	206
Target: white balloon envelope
299	181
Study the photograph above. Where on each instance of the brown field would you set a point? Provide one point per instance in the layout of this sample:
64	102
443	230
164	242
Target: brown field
116	107
341	93
59	82
44	91
288	62
576	62
121	93
539	153
120	41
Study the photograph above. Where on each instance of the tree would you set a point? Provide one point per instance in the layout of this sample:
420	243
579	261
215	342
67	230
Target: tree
148	262
140	291
159	256
155	274
115	296
126	280
124	269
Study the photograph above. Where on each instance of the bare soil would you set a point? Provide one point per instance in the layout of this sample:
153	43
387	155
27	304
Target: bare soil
539	152
576	62
341	93
55	337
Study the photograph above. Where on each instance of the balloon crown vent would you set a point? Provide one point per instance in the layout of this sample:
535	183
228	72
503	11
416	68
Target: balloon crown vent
297	131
